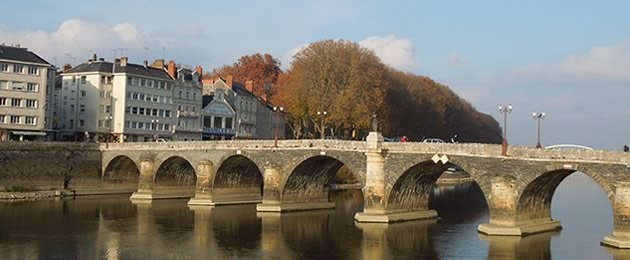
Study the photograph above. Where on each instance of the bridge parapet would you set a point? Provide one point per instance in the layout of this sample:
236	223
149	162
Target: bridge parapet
514	152
241	144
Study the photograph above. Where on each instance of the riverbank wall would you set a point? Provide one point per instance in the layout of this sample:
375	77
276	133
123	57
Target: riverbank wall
48	166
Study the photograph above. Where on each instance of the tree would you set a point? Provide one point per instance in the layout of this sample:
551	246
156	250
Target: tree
262	69
338	77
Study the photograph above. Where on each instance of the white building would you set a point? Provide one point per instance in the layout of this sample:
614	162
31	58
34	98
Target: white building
25	82
121	102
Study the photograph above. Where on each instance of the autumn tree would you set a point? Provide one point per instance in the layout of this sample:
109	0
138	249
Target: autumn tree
262	69
336	76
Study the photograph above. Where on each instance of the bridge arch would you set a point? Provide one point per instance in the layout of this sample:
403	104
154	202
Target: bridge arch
175	172
237	177
537	190
411	190
121	172
308	181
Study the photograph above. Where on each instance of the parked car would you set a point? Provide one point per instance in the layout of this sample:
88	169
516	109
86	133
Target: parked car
433	140
392	139
160	140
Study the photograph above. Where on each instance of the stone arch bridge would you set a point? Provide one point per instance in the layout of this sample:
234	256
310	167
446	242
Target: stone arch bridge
396	178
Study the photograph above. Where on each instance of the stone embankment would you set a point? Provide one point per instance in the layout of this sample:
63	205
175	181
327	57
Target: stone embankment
30	195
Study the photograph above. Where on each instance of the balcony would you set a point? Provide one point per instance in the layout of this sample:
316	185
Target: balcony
188	114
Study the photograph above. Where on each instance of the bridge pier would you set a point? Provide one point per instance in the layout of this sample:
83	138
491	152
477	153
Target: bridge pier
272	200
620	238
504	220
145	181
203	187
374	193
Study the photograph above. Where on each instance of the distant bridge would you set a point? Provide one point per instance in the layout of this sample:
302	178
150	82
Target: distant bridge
568	146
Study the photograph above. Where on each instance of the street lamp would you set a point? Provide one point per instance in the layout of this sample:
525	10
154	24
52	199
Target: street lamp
154	123
276	110
322	115
505	110
538	117
108	119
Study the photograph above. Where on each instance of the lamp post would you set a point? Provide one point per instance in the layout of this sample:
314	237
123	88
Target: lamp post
108	119
538	117
154	123
322	115
505	110
276	110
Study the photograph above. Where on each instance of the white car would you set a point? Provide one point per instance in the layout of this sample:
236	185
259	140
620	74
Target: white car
433	140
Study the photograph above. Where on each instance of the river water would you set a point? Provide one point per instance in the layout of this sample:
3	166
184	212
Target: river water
111	227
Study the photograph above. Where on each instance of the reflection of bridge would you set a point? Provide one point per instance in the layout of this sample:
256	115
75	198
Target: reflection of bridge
397	177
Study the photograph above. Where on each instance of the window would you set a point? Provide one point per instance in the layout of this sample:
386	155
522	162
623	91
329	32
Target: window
108	109
32	70
83	93
4	67
17	68
32	87
100	123
81	122
31	103
82	108
3	101
180	94
141	111
74	79
15	119
71	123
2	119
71	108
187	95
4	84
16	102
30	120
142	82
129	80
167	113
194	96
83	79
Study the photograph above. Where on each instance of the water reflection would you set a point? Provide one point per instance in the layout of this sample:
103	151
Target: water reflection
115	228
536	246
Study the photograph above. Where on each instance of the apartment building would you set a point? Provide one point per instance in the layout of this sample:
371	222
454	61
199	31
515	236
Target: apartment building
116	102
187	100
26	80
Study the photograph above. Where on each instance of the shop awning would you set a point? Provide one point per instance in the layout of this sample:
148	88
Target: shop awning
28	133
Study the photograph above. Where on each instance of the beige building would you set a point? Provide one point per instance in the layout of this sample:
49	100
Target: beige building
117	101
25	82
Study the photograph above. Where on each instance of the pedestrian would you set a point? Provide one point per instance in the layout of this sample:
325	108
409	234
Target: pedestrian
454	139
626	148
403	139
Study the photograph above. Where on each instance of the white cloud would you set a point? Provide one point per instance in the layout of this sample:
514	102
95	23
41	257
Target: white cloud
78	39
394	51
455	58
287	58
600	63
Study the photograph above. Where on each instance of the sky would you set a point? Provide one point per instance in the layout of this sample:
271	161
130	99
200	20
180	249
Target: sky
569	59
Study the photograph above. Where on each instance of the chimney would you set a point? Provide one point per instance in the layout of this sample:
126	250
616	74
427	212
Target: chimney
207	82
66	67
146	63
94	58
123	61
199	71
230	78
263	97
171	69
249	85
101	59
158	64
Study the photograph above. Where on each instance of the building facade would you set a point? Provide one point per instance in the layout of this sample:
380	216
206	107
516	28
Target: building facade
26	81
115	102
254	118
187	101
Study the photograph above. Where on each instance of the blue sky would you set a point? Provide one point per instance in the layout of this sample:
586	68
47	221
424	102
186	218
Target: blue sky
569	59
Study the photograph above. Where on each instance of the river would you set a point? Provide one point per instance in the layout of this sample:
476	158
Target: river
111	227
